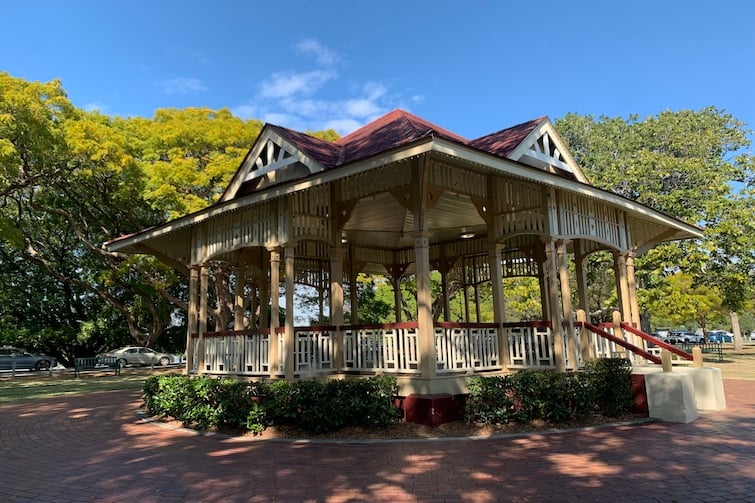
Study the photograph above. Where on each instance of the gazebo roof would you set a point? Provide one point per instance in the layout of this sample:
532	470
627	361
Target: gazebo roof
524	142
283	161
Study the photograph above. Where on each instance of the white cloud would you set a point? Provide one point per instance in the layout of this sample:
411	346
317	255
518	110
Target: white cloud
343	126
312	47
361	107
293	98
285	84
246	111
181	85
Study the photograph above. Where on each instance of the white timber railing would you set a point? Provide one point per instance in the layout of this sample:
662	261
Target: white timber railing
530	345
394	348
386	348
467	346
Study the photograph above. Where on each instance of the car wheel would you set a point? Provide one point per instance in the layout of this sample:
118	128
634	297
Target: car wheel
122	362
164	361
42	365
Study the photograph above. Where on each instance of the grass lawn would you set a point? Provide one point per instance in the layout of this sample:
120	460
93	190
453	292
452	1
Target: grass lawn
29	387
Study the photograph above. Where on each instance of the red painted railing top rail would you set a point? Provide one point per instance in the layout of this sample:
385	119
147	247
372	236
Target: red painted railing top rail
621	342
377	326
657	342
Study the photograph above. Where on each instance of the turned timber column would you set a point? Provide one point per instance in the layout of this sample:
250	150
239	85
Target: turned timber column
289	337
204	280
622	285
238	315
353	293
499	304
426	336
253	283
551	281
563	273
191	322
397	302
240	301
275	262
336	305
579	269
264	316
587	349
634	307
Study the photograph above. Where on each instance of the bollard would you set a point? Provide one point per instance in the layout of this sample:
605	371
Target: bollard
666	360
697	357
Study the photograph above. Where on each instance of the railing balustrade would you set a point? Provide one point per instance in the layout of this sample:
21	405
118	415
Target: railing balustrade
393	348
387	348
530	345
466	346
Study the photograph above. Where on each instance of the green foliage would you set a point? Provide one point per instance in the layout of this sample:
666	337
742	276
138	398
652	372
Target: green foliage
310	406
529	395
610	384
690	164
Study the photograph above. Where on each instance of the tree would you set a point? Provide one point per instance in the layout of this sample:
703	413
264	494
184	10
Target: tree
689	164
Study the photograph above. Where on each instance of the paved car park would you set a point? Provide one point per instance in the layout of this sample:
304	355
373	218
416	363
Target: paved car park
85	448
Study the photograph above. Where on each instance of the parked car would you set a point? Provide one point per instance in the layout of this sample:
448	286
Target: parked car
720	336
139	355
12	357
660	337
688	337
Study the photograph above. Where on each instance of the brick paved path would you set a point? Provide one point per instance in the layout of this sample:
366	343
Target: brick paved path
93	448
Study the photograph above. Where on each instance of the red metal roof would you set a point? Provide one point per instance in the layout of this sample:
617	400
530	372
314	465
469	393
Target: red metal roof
504	142
393	130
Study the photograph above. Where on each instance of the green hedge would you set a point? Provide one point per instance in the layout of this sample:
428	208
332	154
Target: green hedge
311	406
602	386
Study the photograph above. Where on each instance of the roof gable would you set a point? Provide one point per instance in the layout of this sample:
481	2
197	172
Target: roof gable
280	154
544	148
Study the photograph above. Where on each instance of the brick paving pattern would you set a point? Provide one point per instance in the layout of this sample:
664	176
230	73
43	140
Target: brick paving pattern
92	448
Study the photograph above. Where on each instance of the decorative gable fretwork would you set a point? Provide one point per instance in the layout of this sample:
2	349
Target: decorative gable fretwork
545	150
583	217
273	160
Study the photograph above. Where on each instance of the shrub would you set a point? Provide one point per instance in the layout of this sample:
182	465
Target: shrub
310	406
610	380
604	385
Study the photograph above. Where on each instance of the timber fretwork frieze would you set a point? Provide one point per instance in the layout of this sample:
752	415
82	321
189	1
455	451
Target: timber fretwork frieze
374	181
459	180
311	213
246	227
583	217
517	207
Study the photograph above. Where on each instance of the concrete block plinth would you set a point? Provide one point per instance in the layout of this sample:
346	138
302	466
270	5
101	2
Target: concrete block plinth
671	397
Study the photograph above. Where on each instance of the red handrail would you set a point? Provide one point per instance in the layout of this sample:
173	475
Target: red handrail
621	342
657	342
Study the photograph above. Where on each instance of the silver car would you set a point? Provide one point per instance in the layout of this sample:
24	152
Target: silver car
139	355
17	358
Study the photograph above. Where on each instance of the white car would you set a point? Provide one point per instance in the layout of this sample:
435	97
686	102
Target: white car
139	355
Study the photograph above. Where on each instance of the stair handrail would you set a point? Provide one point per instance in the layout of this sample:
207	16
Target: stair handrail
621	342
657	342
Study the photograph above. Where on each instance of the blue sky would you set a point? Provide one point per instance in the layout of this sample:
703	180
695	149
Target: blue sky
473	67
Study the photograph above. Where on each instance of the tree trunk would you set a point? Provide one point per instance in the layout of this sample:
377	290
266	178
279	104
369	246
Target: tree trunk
738	343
